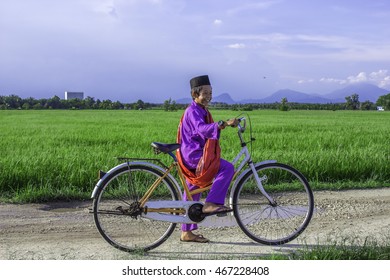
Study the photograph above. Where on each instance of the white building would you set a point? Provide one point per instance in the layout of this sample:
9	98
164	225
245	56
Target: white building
74	95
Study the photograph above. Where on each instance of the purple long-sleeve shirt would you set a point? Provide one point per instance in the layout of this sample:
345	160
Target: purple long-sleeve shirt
194	133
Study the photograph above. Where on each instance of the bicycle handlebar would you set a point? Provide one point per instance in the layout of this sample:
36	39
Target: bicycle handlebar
241	128
241	124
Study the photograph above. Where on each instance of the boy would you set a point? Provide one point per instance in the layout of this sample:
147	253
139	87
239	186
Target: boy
199	154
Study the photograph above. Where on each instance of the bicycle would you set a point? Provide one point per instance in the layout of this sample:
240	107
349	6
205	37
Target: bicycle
137	204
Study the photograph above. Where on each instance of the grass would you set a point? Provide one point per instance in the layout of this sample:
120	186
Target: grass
345	249
49	155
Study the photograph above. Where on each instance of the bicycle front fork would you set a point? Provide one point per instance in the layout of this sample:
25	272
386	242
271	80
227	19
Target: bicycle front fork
259	180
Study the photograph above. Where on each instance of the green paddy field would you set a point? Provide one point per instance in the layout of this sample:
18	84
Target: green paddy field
56	154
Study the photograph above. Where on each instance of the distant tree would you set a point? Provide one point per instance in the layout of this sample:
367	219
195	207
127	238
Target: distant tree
127	106
74	103
106	104
235	107
88	102
352	102
248	107
26	106
284	104
117	105
367	105
170	105
139	105
167	104
3	106
12	101
97	104
31	101
54	103
384	101
38	106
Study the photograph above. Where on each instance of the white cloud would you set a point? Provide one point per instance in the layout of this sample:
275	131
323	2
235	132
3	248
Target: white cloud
380	78
381	74
106	8
385	83
359	78
333	81
271	37
309	81
236	46
217	22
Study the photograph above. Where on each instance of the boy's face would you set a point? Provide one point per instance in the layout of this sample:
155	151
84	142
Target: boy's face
205	96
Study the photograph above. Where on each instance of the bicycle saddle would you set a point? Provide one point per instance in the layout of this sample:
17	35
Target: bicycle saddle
165	148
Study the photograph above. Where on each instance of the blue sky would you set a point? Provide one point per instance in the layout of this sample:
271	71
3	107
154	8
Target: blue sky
149	49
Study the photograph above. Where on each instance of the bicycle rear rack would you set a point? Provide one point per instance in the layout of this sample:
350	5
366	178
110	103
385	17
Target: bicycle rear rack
126	159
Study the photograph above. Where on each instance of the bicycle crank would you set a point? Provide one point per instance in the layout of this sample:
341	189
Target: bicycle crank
185	212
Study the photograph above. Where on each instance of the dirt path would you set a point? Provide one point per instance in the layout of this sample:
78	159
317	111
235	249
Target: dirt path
67	231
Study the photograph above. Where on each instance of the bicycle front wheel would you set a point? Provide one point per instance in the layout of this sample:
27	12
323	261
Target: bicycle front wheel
287	217
116	203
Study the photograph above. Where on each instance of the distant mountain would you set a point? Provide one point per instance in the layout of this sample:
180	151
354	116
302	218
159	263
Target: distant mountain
294	96
184	101
223	98
365	91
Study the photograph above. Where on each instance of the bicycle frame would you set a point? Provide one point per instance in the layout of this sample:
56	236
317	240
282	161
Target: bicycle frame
168	210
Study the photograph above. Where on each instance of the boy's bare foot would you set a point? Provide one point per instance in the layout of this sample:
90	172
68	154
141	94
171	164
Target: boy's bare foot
189	236
210	207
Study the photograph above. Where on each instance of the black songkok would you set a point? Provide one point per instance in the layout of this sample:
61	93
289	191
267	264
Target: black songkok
200	81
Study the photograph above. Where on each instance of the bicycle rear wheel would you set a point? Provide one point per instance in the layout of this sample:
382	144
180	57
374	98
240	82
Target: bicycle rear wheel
287	218
115	208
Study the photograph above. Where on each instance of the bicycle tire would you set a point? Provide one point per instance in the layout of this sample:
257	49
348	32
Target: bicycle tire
119	190
273	224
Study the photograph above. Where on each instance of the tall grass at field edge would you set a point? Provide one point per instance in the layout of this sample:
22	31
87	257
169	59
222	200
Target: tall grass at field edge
345	249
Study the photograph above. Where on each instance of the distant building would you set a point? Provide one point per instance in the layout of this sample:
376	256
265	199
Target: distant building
74	95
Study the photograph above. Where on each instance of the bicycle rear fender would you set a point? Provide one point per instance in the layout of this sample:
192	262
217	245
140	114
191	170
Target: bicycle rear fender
243	174
126	165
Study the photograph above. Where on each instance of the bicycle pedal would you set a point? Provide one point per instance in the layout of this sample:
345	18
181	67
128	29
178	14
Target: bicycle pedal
218	214
222	214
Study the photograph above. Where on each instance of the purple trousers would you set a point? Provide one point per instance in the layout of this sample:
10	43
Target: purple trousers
217	192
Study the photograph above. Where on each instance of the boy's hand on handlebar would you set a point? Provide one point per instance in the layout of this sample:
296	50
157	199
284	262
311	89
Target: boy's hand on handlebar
232	122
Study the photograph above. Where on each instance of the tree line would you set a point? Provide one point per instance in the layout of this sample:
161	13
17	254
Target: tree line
15	102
